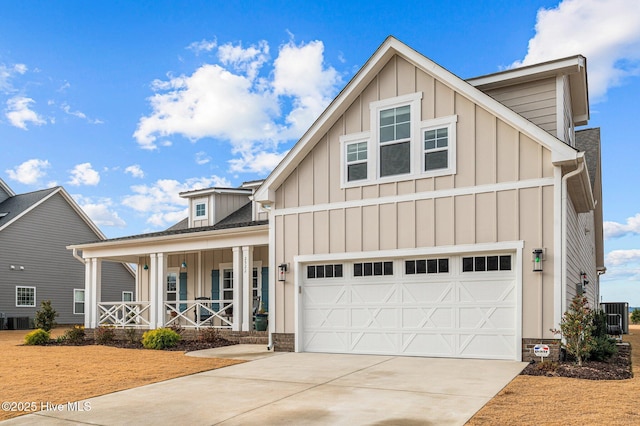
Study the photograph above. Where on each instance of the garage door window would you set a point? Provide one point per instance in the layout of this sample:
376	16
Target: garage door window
324	271
426	266
486	263
368	269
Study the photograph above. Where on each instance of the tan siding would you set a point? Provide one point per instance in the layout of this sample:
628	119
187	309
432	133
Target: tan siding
337	231
280	257
406	187
466	142
290	195
335	193
486	218
530	232
530	158
485	137
507	153
370	223
353	117
444	217
305	181
507	216
388	225
387	189
548	194
369	95
370	191
425	185
426	84
406	225
445	100
387	87
291	249
322	168
465	219
353	225
320	232
406	77
425	223
306	230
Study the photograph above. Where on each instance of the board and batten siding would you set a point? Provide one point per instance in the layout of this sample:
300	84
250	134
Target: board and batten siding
314	215
38	242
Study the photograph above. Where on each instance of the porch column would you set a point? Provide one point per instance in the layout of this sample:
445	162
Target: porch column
90	311
153	293
237	289
96	293
247	284
161	262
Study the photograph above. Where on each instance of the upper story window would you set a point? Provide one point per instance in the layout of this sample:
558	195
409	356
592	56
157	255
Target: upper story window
400	145
201	209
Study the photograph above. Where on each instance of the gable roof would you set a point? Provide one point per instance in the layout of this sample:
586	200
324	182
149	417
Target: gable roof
19	205
5	191
588	140
560	152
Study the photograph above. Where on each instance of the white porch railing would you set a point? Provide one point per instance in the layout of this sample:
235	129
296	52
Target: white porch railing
200	313
124	314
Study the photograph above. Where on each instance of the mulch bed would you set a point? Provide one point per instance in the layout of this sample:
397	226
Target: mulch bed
618	367
183	345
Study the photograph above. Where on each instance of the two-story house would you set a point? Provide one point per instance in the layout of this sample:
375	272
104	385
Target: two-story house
35	229
421	214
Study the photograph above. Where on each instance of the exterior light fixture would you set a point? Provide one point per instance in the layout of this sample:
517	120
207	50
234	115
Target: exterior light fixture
184	264
12	267
282	270
538	257
145	267
22	268
583	276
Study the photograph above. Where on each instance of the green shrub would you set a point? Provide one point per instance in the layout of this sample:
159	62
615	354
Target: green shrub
161	338
603	345
635	316
104	335
46	316
37	337
576	327
75	335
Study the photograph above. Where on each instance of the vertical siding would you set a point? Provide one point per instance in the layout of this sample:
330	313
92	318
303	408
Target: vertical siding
38	242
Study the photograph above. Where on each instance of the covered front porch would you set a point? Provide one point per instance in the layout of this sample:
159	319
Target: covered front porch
213	278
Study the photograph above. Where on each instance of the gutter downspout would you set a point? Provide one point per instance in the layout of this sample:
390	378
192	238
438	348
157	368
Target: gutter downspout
565	198
75	254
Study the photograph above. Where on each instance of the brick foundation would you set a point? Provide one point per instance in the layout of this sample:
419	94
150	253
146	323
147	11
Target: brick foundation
527	349
284	342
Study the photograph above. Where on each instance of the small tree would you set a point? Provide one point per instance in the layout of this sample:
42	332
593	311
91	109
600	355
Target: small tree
576	327
46	316
635	316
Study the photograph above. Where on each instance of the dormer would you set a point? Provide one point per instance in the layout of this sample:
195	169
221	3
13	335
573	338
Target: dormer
210	205
552	95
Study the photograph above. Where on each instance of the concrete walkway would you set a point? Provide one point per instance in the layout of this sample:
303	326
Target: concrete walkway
302	389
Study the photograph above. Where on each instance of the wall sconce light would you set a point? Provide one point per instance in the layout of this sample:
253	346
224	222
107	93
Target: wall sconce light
22	268
184	264
12	267
538	257
583	276
282	270
145	267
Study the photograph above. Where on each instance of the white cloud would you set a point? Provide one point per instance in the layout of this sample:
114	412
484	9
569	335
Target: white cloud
231	101
615	229
622	257
163	201
202	46
29	172
606	32
19	113
202	158
67	109
100	211
135	171
83	174
7	73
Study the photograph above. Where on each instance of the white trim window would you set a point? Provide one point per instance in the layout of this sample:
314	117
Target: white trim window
200	209
78	301
400	146
127	296
25	297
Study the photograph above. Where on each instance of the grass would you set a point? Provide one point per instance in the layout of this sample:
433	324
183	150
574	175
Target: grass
61	374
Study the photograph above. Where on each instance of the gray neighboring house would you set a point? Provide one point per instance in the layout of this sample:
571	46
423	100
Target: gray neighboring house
35	265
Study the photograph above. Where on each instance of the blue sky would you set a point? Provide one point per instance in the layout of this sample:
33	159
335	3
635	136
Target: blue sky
125	103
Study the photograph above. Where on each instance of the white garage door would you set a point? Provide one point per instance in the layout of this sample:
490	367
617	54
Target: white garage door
460	306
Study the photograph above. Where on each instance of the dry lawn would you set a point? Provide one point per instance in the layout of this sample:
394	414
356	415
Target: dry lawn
529	400
60	374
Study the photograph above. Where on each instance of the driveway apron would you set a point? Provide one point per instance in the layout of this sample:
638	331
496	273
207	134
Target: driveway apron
305	389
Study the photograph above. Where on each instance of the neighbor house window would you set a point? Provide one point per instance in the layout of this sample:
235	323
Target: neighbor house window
127	296
400	145
25	296
201	210
78	301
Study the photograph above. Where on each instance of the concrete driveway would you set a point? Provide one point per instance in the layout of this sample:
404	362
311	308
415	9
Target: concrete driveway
303	389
